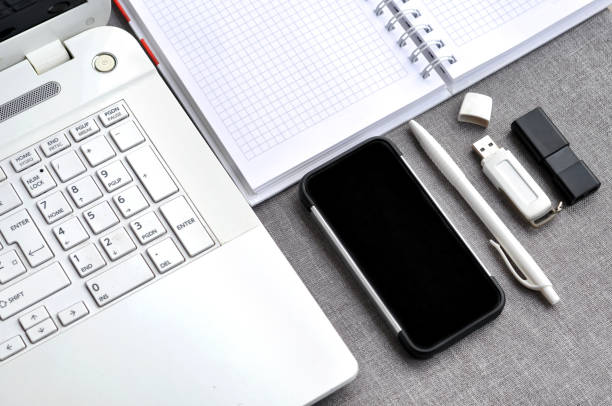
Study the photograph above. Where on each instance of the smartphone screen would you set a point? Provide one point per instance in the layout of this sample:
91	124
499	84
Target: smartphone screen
410	254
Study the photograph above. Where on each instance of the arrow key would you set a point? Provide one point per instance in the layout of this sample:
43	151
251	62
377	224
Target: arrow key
11	347
41	330
34	317
73	313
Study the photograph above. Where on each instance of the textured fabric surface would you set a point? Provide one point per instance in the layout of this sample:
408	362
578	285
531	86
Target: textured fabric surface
532	353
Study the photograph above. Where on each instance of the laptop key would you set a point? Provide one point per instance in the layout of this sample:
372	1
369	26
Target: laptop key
19	228
112	115
34	317
70	234
10	267
32	290
8	198
84	129
152	174
84	192
126	136
119	280
114	176
11	347
38	181
68	166
54	144
54	207
100	218
165	255
130	202
25	159
147	228
117	244
2	175
75	312
97	151
87	260
186	226
41	330
20	5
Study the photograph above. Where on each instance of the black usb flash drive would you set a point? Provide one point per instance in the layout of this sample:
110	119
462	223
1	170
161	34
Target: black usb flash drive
551	149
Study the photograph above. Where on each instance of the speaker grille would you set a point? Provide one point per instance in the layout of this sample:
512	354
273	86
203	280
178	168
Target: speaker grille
28	100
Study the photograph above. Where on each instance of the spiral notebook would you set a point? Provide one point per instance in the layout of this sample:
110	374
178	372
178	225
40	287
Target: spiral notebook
280	86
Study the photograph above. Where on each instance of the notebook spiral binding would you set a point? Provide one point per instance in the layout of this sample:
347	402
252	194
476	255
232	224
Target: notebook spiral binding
401	17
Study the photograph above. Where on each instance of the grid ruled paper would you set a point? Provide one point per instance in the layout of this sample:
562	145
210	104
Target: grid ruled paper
469	19
485	35
273	69
281	84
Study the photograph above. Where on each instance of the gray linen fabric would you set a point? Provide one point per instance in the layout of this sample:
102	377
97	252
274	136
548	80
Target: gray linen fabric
533	353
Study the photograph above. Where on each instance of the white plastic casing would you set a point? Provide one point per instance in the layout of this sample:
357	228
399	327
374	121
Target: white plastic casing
508	175
476	109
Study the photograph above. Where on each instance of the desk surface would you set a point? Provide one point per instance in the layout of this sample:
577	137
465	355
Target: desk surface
533	353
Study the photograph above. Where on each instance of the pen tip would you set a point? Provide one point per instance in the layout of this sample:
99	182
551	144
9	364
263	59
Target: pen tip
415	127
550	295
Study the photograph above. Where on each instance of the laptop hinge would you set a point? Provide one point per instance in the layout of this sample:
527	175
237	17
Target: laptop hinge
48	56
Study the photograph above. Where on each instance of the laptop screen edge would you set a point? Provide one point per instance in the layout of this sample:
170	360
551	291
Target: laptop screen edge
92	13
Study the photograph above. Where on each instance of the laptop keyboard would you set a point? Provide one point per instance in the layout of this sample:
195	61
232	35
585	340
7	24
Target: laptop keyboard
87	215
17	16
8	7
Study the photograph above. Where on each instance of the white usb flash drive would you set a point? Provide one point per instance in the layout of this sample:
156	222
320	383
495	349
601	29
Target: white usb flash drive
509	176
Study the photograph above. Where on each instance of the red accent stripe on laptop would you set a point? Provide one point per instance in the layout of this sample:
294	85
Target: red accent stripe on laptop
149	52
122	11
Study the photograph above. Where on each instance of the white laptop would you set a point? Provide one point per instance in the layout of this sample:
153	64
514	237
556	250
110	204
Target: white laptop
132	271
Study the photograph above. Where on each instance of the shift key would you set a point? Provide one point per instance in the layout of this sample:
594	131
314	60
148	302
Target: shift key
32	290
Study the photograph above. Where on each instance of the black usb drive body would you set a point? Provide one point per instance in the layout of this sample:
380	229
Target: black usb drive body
551	149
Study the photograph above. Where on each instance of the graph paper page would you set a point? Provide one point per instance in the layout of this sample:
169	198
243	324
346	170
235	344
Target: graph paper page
477	31
281	81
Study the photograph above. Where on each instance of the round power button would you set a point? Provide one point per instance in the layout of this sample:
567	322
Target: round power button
104	63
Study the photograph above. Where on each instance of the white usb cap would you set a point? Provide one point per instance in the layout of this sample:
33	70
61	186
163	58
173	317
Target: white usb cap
476	109
509	176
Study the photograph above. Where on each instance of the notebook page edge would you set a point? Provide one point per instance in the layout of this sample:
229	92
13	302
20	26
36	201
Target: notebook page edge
494	49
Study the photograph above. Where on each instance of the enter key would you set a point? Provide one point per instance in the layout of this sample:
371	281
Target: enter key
19	228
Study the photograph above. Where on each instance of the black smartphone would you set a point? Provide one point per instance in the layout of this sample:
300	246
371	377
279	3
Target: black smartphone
419	271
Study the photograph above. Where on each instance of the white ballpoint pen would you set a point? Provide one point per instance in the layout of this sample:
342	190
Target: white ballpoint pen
536	279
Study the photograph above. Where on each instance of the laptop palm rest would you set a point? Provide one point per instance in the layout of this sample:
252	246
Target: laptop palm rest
179	330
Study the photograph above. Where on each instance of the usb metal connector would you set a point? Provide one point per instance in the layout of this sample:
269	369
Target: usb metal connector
485	147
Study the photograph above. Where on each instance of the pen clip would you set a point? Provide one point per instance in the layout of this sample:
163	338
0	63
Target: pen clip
525	282
548	216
